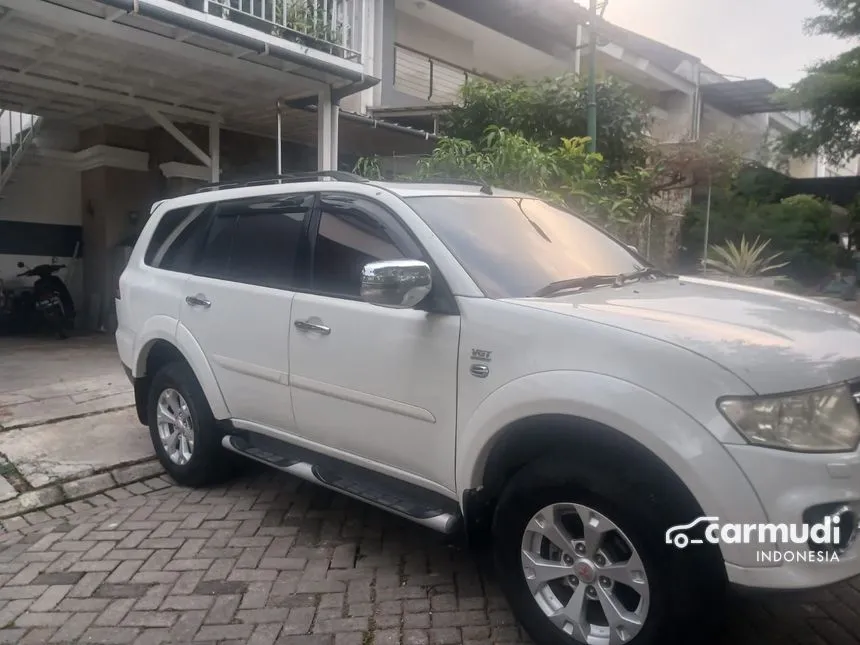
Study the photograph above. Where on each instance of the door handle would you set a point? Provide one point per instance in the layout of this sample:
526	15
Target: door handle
306	325
198	301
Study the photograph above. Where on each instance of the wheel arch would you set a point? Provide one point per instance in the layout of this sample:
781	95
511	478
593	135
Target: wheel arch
626	427
161	348
555	436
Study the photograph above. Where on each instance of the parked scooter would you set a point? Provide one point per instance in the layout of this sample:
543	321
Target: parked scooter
49	303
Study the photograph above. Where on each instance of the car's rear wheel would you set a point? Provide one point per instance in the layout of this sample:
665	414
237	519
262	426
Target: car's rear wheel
582	561
184	433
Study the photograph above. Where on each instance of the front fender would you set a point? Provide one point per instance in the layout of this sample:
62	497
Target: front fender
169	329
684	445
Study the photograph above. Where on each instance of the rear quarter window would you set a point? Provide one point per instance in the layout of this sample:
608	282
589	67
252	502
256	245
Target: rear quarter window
176	239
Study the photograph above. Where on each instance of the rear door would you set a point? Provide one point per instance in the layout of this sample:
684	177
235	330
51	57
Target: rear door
238	301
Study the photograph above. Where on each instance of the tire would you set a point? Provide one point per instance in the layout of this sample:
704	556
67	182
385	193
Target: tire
203	461
677	593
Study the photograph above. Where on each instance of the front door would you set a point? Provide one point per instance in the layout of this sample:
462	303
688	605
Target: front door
238	302
377	383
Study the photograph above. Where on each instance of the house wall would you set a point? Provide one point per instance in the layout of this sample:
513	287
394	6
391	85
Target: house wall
40	220
484	53
673	119
806	168
389	95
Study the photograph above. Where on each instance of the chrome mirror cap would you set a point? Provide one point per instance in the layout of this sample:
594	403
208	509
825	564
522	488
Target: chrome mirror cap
399	284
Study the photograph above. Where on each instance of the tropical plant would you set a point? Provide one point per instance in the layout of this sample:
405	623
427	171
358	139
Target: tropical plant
318	21
744	260
369	167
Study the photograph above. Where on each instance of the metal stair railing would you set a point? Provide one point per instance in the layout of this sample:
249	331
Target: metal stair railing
17	133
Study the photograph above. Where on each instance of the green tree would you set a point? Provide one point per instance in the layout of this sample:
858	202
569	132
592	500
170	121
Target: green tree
830	92
552	109
566	174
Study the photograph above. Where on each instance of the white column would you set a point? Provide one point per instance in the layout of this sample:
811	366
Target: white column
215	151
378	16
280	141
335	135
325	130
368	50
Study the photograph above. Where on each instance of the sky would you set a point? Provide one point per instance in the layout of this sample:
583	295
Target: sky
747	38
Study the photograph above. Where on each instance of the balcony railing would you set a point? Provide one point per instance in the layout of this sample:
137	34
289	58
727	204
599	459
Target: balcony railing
429	78
324	25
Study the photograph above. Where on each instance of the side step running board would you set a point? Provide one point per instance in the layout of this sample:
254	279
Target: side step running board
396	497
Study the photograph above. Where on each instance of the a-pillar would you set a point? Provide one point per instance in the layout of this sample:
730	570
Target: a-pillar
328	114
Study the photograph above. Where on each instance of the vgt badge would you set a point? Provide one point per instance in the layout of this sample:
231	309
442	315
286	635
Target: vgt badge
481	355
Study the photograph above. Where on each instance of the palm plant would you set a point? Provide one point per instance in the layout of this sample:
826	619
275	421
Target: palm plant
744	260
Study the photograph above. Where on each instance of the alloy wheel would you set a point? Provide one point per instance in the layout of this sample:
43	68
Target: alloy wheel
175	426
585	574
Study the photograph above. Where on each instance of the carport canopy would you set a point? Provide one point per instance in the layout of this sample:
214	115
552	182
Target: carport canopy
90	63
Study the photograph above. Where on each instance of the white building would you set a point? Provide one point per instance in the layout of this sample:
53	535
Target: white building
137	100
429	49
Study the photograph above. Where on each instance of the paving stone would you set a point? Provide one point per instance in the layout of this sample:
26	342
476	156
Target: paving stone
87	486
7	490
265	560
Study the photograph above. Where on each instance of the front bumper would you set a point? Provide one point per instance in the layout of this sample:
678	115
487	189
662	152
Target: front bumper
788	484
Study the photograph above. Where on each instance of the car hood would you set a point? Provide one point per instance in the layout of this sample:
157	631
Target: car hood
774	342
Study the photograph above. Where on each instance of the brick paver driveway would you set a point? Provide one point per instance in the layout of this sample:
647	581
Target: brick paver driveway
270	560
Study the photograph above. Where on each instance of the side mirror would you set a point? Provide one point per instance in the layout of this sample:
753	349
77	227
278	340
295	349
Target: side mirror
633	248
399	284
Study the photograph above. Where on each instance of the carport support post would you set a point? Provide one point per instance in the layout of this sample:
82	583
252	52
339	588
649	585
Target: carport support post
280	140
327	148
335	134
215	150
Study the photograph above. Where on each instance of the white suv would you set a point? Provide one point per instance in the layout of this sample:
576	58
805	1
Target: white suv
467	357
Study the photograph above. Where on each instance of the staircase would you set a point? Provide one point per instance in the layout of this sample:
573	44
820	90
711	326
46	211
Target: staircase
17	133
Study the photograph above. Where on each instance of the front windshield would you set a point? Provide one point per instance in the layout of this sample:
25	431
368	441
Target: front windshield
513	247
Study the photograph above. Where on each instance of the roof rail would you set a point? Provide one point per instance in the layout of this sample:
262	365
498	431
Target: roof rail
287	178
485	187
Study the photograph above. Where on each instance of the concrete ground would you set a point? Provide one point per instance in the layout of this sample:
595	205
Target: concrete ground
66	421
268	559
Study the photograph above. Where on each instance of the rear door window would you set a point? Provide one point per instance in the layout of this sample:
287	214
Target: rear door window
261	241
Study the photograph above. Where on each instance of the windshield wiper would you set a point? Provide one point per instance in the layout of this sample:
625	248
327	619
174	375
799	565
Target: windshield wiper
586	282
590	281
641	273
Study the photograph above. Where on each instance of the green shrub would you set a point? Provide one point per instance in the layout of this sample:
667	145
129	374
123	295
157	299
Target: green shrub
798	228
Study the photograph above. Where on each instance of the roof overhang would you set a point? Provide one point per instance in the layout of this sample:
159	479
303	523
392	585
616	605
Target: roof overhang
550	27
739	98
359	134
91	62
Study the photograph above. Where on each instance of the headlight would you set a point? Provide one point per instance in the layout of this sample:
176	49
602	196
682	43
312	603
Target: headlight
819	421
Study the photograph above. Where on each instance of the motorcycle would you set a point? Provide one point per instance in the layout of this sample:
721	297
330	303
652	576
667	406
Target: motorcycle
49	302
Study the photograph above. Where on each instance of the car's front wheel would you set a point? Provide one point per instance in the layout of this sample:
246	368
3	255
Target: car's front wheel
582	561
183	431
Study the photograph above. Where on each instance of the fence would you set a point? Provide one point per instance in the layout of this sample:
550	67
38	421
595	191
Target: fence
428	78
325	25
